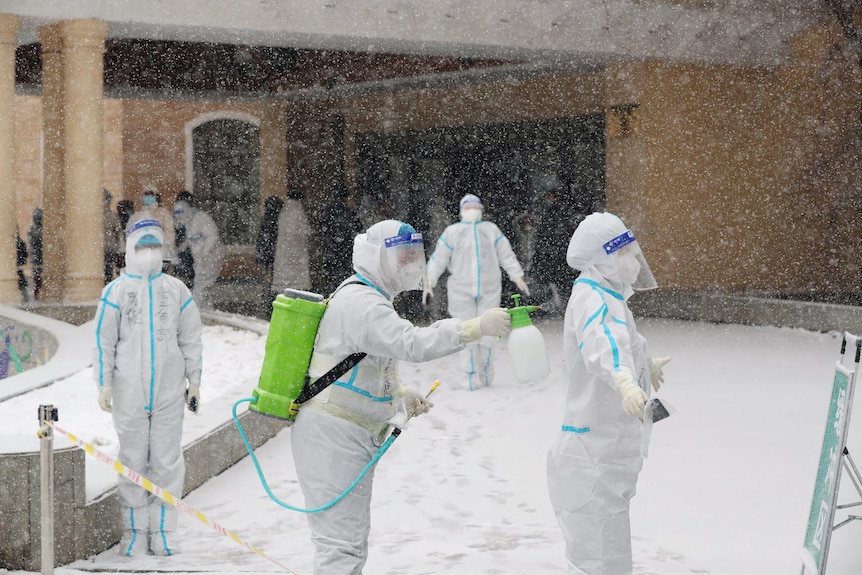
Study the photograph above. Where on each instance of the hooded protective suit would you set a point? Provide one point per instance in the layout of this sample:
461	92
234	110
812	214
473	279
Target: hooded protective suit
473	251
290	266
202	237
148	342
338	432
594	464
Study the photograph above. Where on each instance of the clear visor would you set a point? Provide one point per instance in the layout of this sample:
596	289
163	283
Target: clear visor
405	260
631	263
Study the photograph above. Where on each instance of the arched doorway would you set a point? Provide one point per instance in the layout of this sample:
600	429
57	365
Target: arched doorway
225	175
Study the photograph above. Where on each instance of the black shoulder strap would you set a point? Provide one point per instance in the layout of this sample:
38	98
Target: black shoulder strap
328	378
325	380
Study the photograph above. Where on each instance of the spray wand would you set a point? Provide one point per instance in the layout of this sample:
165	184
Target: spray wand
434	386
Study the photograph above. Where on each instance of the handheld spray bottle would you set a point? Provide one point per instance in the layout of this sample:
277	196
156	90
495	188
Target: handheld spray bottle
526	344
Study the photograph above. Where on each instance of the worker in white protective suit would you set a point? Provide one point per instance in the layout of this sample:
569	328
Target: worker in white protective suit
202	237
337	433
594	465
148	344
473	250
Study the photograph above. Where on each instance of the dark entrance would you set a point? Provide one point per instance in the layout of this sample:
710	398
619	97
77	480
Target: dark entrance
509	166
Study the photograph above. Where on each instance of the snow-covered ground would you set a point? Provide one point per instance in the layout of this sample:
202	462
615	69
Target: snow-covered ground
725	491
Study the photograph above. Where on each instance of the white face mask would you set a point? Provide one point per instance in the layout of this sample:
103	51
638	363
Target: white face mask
471	215
149	261
410	276
629	267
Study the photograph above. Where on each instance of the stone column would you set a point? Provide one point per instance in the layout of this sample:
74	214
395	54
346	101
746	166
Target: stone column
273	151
74	123
8	213
83	79
53	205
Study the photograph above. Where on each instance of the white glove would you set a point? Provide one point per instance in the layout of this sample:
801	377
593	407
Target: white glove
522	286
414	402
105	399
427	292
495	322
655	370
193	397
634	397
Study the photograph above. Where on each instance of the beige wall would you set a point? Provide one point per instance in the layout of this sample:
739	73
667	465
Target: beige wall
731	179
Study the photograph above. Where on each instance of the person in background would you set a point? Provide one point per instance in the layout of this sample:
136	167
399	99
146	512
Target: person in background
473	250
337	432
267	236
338	225
112	233
125	210
290	265
202	238
184	269
526	235
21	261
148	344
34	236
594	464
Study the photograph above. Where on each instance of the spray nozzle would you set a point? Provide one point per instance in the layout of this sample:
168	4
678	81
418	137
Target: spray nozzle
521	313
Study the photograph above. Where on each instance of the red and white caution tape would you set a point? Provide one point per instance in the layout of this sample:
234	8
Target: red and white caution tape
165	496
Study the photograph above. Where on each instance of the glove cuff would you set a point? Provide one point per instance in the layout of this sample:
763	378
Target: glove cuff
471	330
623	379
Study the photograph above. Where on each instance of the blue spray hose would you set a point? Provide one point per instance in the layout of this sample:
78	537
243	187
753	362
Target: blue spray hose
380	451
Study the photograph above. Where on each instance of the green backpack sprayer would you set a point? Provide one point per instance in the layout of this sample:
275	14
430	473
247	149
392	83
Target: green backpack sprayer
283	384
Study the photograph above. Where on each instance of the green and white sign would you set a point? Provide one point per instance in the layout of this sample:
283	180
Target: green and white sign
821	516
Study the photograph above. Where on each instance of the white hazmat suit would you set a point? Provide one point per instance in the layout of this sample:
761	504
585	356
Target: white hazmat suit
290	268
337	433
594	464
202	237
473	251
148	342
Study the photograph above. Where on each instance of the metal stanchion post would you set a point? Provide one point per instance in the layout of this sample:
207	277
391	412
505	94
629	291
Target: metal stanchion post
46	452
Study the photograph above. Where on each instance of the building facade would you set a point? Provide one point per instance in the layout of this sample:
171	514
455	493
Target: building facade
738	174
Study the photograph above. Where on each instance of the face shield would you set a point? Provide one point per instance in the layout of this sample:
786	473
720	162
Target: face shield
470	207
631	265
404	259
144	241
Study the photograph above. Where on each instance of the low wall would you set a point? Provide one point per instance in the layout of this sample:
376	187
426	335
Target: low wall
68	348
20	505
747	310
23	346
